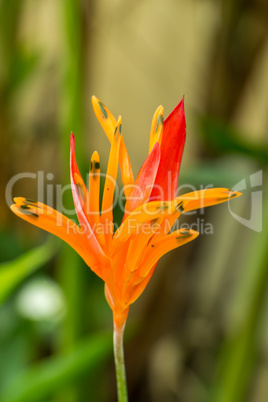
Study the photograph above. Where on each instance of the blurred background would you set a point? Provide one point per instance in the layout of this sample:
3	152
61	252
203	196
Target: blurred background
199	333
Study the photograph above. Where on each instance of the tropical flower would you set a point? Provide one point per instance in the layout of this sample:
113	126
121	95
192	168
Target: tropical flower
125	257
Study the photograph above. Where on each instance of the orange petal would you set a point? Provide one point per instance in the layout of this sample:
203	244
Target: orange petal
139	241
160	245
54	222
80	203
149	212
199	199
135	287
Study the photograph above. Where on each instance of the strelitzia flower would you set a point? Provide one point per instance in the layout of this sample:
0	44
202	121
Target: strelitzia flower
125	257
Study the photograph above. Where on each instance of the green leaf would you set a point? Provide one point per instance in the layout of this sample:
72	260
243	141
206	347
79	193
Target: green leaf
12	273
43	379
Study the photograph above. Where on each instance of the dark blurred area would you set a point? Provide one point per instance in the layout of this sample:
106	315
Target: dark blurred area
199	333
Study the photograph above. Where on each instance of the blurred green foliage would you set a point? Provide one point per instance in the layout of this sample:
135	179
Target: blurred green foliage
201	326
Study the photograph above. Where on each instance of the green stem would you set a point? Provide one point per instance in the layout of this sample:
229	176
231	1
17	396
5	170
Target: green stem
120	363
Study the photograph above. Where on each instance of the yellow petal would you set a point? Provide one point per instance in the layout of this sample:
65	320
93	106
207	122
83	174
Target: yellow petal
108	123
157	127
110	182
94	199
94	186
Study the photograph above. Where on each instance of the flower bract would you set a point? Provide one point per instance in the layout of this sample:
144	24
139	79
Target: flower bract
125	257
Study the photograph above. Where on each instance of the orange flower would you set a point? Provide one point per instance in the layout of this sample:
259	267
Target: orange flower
126	257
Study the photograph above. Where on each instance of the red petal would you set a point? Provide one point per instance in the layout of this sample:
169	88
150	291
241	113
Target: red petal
172	146
144	182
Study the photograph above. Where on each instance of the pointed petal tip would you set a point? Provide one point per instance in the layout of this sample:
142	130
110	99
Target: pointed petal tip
177	111
94	99
95	156
72	138
234	193
160	109
14	209
156	148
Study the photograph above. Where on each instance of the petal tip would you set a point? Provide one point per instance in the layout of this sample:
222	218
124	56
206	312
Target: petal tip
94	99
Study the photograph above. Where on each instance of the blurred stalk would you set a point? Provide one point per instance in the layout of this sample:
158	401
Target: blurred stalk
119	360
239	353
71	267
241	35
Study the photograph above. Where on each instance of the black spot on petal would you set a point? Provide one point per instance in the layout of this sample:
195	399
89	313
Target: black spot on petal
103	111
27	211
180	207
157	124
23	206
28	200
184	233
80	191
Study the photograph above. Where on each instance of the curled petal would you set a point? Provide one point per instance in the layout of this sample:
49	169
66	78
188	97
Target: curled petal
196	200
54	222
159	246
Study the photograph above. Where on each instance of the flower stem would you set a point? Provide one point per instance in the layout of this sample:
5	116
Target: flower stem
120	363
